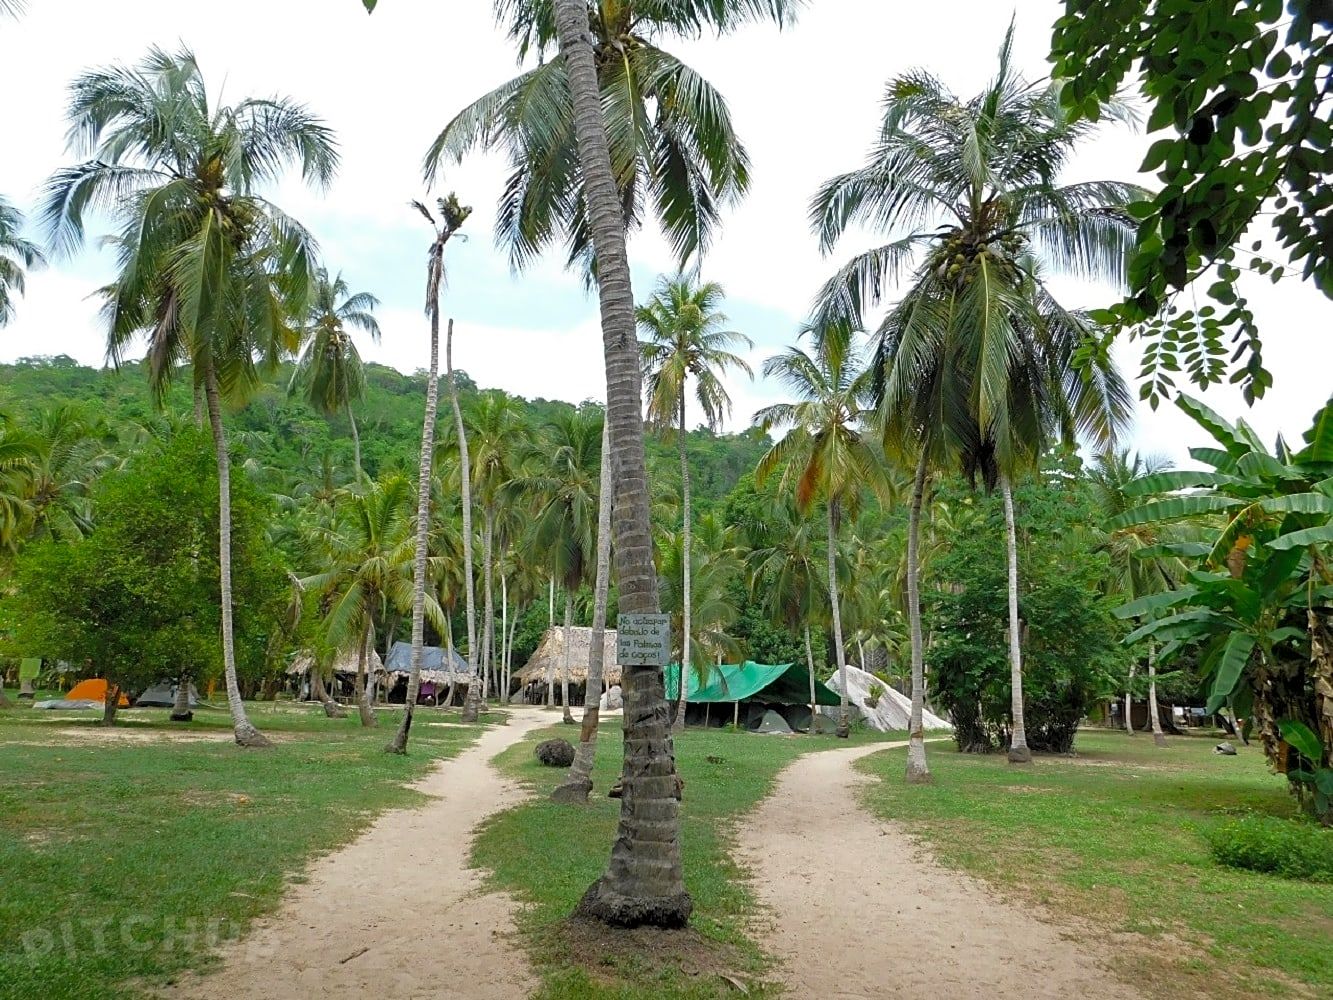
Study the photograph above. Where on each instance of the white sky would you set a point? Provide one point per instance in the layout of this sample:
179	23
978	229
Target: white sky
806	102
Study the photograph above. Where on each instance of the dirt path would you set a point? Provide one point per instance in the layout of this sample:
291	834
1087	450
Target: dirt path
375	918
858	910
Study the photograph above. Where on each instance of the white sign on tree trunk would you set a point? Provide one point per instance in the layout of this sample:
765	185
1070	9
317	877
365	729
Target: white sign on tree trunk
643	640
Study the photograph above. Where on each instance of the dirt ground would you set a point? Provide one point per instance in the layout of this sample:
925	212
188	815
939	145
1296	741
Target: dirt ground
854	909
370	916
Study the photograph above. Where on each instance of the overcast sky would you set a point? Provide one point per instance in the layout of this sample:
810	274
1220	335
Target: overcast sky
806	103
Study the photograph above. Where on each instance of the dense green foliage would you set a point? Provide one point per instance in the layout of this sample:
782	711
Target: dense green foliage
1072	652
1239	96
136	600
1271	846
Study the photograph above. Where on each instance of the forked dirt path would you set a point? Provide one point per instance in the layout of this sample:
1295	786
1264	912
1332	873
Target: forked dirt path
374	917
858	910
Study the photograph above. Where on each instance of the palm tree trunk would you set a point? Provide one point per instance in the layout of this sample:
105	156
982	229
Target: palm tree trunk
198	407
419	558
1018	741
550	606
503	683
918	771
472	704
362	658
644	883
810	669
1158	736
577	786
678	713
245	732
180	710
332	709
509	656
564	673
356	435
1129	697
449	655
488	628
844	716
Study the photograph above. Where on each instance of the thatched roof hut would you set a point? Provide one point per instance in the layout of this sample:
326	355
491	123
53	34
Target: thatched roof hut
344	663
436	666
551	653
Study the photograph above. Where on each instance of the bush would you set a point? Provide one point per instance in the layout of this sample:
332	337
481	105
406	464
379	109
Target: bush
1285	847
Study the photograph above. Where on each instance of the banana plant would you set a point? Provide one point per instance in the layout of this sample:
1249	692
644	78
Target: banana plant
1257	600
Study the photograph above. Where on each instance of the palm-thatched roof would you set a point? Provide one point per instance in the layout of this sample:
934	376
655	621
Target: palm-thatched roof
344	663
551	652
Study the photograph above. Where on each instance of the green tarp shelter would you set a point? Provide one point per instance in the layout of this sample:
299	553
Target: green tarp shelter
776	684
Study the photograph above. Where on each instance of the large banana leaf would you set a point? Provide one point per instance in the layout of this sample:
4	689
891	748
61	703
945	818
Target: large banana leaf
1299	503
1172	509
1155	602
1176	479
1187	550
1319	438
1230	665
1304	537
1186	625
1225	434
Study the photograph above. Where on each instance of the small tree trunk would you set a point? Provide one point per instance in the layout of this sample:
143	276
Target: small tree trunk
844	716
362	703
918	771
332	709
110	704
502	682
810	669
1129	697
1018	742
509	657
180	711
422	549
644	881
245	733
568	716
356	445
472	704
1158	736
449	656
678	710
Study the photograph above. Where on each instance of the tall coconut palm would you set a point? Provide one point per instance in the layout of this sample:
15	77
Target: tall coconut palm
785	578
329	374
672	143
1142	559
824	455
69	452
644	882
208	271
565	528
576	787
977	360
17	255
18	456
453	215
684	337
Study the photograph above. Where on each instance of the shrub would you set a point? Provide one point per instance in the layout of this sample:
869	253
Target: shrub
1285	847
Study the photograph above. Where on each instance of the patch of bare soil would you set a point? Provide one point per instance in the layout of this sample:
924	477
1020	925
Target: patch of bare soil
855	909
645	953
374	918
120	735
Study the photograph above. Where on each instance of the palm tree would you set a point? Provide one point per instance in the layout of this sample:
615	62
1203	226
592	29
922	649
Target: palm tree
576	787
18	455
977	360
69	452
16	255
824	454
209	271
564	529
329	374
644	883
1140	554
454	216
684	338
671	140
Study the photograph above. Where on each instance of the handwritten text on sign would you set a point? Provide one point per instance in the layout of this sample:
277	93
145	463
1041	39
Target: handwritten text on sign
643	640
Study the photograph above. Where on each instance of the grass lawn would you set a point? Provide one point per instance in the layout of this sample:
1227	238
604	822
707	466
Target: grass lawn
125	854
547	855
1114	836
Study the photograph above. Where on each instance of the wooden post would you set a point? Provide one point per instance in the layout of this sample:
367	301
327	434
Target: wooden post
706	707
736	715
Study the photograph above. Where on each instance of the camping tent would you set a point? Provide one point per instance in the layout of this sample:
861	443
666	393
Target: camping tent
751	690
163	695
892	711
85	694
547	664
436	673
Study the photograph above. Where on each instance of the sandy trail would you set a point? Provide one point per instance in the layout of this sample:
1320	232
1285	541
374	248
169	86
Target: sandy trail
858	910
393	899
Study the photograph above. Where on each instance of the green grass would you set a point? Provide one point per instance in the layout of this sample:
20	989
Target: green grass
547	855
115	846
1118	836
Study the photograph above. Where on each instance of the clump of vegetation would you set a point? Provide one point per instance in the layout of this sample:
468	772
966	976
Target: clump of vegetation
1284	847
874	694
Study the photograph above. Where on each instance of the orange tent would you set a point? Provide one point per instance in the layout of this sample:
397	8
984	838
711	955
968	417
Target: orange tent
93	689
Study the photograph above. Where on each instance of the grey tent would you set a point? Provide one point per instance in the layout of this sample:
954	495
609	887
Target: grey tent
163	695
432	659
